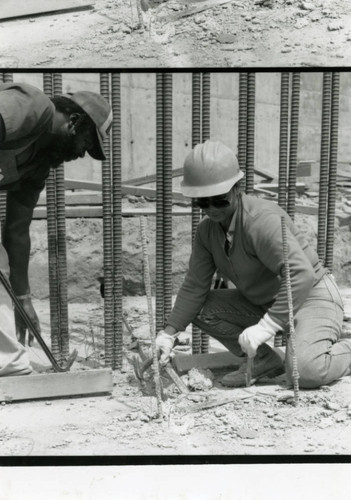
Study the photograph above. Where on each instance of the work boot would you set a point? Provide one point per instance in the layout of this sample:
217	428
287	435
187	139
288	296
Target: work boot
269	365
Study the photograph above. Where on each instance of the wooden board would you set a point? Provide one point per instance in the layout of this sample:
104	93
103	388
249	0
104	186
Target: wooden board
54	385
10	9
183	362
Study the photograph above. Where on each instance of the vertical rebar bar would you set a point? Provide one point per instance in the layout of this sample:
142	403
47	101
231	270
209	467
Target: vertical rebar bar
1	77
205	134
250	138
3	194
61	242
147	282
292	333
117	220
167	189
283	139
8	77
333	166
195	211
107	235
324	164
294	142
52	245
242	125
160	316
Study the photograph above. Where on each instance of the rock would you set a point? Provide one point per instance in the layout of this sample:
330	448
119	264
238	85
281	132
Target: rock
306	6
301	23
340	418
335	26
332	406
200	380
247	433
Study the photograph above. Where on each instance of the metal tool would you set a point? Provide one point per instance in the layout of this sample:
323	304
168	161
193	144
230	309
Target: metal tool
30	325
249	369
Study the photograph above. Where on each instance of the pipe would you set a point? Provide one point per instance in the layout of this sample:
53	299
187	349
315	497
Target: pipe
242	125
195	211
160	317
117	220
250	137
324	164
333	166
107	236
294	142
61	242
167	190
283	139
52	245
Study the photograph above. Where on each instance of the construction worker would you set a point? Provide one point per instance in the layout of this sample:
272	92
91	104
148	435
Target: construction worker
241	236
36	133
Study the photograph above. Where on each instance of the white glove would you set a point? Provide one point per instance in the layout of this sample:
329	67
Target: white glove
164	343
256	335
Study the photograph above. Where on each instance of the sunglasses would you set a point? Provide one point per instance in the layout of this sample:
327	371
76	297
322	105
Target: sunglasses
215	201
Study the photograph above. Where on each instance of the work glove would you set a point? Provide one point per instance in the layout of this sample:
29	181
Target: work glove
164	344
21	327
256	335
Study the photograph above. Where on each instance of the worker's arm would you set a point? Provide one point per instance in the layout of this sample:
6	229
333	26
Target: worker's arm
192	294
16	240
265	239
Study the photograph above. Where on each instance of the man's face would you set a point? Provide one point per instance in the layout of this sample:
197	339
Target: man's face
72	142
218	208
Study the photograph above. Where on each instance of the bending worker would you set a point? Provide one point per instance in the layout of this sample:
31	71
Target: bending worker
240	236
36	133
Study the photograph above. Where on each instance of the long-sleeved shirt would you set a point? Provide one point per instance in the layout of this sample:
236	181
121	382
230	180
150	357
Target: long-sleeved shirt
251	256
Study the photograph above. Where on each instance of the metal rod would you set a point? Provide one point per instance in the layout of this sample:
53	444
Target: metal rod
61	242
167	190
206	133
283	139
52	244
333	166
117	221
160	319
292	333
242	125
324	164
147	282
107	236
294	142
250	138
195	211
8	77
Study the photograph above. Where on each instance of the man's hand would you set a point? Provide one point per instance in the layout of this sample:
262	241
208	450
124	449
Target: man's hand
164	344
256	335
21	327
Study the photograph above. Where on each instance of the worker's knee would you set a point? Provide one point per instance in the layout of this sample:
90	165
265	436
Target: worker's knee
312	372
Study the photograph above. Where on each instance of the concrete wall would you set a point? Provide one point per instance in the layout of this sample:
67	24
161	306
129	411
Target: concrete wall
138	118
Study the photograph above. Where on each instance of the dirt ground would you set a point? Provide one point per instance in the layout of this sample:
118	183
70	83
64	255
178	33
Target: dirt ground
267	33
256	422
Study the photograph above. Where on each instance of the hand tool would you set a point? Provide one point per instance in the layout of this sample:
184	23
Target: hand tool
30	325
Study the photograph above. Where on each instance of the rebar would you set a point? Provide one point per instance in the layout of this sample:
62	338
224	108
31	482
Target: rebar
8	77
242	125
292	333
3	194
167	190
61	242
283	139
117	220
205	133
52	245
324	164
160	319
294	142
333	166
147	283
250	137
195	211
107	236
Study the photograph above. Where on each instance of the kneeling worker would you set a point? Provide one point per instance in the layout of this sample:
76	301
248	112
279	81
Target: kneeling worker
241	237
36	134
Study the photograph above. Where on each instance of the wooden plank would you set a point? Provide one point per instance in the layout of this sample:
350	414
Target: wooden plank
147	179
184	362
77	212
55	385
300	187
149	192
11	9
78	184
76	198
